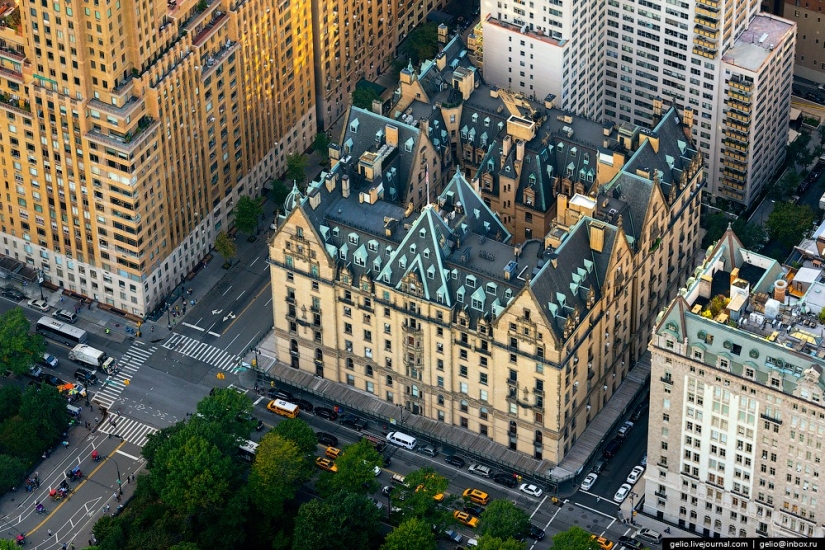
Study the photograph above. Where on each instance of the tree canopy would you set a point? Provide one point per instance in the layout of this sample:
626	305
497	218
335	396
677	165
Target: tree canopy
19	349
789	223
321	145
486	542
350	520
363	96
355	471
296	165
503	520
752	235
278	193
422	43
299	432
225	246
417	500
247	214
411	534
798	152
574	538
279	468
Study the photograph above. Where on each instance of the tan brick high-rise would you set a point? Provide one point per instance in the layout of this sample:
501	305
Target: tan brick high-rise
129	128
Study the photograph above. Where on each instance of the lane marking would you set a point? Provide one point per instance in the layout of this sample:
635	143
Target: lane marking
269	283
594	510
196	327
537	507
214	333
239	295
227	290
255	260
127	455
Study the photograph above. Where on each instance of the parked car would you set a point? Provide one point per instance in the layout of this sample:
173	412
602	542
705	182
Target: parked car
530	489
327	439
48	361
635	474
304	405
622	493
39	305
604	543
428	450
353	422
282	394
649	535
639	412
625	429
630	543
323	412
378	503
588	481
644	460
508	480
455	460
54	381
480	470
12	294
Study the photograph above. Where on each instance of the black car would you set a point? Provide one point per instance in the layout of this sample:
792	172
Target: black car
630	543
259	425
353	422
12	294
508	480
473	509
327	439
54	381
304	405
386	460
640	411
275	393
534	532
323	412
455	460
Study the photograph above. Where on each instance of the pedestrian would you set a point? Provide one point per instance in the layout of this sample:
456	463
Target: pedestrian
37	482
153	328
65	444
61	299
118	497
64	546
50	532
106	508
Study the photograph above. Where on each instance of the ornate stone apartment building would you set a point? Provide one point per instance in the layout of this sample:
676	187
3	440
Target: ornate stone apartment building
440	310
736	403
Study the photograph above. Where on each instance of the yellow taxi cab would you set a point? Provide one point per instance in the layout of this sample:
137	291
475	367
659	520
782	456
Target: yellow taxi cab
466	519
326	464
332	452
438	497
604	544
478	496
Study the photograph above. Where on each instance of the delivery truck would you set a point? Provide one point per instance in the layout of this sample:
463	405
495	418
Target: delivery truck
92	357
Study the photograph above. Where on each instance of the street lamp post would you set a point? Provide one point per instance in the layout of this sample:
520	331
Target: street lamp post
257	363
40	282
119	483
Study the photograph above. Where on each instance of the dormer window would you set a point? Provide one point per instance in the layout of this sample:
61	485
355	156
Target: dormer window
487	122
491	288
352	238
408	145
532	179
573	152
475	117
353	126
422	233
471	281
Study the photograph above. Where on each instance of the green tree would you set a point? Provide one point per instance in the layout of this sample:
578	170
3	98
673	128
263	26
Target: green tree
6	544
278	193
752	235
296	165
299	432
417	500
715	225
422	43
355	471
348	519
247	214
193	474
503	520
798	153
821	131
363	96
44	411
321	145
789	223
12	471
785	186
222	407
10	400
225	247
279	469
574	538
486	542
412	534
19	349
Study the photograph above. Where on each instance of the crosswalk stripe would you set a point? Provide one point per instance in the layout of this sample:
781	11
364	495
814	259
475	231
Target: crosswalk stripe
203	352
129	363
129	429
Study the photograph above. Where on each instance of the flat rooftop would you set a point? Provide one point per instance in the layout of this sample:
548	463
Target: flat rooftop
754	46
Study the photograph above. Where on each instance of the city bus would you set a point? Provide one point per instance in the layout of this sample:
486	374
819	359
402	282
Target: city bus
62	332
279	406
247	450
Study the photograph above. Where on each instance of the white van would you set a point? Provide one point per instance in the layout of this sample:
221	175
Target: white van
402	440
